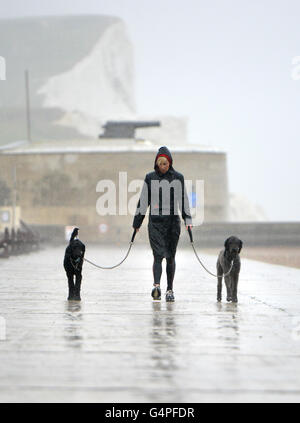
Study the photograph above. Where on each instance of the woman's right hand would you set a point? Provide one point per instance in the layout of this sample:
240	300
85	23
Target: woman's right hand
137	229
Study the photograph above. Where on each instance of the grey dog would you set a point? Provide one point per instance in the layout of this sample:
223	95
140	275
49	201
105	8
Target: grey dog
229	254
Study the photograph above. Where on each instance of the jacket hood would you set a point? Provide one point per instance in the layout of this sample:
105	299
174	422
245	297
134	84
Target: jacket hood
166	151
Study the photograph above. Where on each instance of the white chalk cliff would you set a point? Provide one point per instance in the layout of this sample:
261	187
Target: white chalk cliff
97	88
81	74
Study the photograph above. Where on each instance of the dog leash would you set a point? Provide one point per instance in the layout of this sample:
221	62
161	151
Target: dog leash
192	242
119	264
130	246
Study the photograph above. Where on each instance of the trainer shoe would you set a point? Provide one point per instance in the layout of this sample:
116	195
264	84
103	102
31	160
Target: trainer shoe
156	292
170	296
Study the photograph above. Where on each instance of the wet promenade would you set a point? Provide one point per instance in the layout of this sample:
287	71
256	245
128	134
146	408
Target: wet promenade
117	345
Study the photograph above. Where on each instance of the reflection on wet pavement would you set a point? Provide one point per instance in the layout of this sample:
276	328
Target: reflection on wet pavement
118	345
73	329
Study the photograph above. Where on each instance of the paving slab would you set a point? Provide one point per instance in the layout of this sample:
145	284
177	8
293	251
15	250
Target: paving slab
117	345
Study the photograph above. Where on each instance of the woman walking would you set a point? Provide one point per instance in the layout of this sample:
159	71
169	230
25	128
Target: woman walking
164	191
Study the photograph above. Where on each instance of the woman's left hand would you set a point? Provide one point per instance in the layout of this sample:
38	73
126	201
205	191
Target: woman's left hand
188	226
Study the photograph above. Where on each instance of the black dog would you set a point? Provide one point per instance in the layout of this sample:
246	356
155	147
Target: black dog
73	265
233	246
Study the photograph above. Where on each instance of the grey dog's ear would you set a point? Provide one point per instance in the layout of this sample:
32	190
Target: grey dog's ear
241	246
226	244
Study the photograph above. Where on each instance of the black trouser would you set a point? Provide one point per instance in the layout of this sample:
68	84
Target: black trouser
170	268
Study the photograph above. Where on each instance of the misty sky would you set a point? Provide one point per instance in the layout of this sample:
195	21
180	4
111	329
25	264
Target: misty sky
227	66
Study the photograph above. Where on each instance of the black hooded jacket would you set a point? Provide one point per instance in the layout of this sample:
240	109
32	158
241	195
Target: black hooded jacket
164	221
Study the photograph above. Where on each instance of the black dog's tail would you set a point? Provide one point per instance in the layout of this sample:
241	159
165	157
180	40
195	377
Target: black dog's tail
74	234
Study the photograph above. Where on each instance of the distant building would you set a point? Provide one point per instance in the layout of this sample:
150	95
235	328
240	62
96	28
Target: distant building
56	182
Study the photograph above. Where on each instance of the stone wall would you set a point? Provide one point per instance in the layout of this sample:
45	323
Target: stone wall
253	234
208	235
60	189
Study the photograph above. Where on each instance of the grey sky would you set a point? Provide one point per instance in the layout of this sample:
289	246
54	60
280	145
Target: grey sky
227	66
